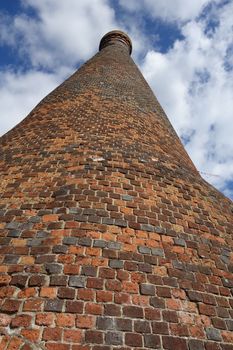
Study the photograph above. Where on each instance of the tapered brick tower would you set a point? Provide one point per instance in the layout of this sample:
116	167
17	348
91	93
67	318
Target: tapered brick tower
110	239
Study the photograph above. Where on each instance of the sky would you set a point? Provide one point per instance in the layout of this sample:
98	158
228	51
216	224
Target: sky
184	49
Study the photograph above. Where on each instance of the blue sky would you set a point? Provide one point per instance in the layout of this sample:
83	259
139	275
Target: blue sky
183	48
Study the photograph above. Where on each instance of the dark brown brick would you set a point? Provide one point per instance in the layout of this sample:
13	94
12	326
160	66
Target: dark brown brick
147	289
219	323
54	305
207	309
74	307
22	320
10	306
89	271
104	323
37	280
171	343
133	311
19	280
95	337
123	324
66	293
160	328
152	341
194	296
114	338
58	280
112	310
170	316
195	344
164	292
142	327
157	302
132	339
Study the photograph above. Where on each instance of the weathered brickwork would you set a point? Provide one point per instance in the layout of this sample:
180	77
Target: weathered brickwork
110	239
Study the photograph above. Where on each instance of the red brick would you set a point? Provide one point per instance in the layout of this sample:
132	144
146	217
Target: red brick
4	280
95	283
121	298
48	292
93	309
44	319
173	304
33	305
227	336
122	275
27	293
83	321
152	314
27	347
50	218
72	336
65	320
197	331
105	272
206	309
14	344
52	334
85	294
7	292
180	330
70	269
5	320
114	285
215	346
104	296
32	335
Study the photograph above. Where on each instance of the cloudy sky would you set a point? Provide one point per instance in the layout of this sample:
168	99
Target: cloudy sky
184	48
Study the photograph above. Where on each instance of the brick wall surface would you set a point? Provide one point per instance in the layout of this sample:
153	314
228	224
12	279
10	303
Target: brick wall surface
110	239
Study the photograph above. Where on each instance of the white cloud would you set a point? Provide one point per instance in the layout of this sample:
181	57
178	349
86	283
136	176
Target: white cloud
196	89
175	10
62	31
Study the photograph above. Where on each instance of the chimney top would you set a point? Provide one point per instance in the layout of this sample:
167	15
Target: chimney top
116	36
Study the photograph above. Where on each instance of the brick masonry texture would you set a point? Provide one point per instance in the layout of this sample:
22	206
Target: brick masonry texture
109	237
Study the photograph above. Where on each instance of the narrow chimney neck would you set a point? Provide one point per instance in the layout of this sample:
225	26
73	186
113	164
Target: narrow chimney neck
114	37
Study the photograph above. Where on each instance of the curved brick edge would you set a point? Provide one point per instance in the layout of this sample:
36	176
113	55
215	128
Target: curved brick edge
116	36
